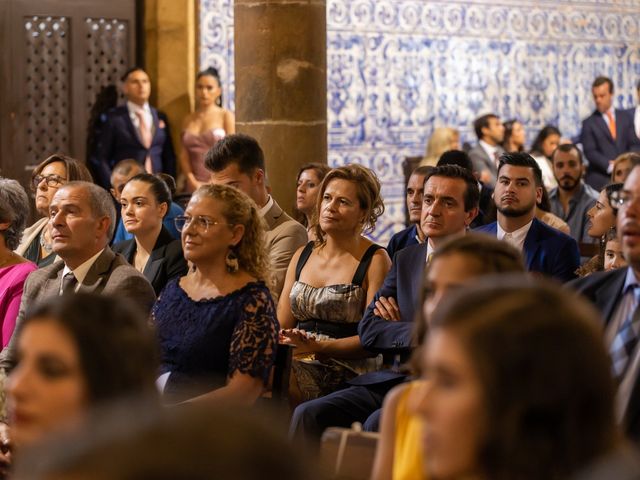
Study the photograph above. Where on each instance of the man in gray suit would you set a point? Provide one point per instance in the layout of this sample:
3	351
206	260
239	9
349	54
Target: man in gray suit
485	156
81	218
238	160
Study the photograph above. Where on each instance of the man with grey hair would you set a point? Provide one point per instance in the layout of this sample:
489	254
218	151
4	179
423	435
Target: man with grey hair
81	219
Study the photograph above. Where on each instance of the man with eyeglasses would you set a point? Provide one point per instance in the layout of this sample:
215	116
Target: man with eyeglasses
616	294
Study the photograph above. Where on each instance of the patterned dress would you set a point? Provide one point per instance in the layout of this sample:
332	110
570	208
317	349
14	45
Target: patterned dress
204	342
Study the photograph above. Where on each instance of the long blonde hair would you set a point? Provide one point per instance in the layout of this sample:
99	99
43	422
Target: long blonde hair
239	209
439	142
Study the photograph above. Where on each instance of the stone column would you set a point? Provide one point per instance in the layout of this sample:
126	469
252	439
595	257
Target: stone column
170	58
281	85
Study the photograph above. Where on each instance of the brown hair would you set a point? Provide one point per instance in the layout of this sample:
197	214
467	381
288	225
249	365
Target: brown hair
545	375
76	170
321	170
367	190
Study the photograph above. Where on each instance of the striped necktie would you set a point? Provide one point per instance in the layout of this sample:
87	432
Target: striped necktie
626	339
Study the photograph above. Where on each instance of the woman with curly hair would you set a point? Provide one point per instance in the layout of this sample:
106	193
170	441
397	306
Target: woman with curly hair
217	325
330	282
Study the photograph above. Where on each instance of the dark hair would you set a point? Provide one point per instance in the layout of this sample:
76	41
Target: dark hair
508	131
609	189
367	190
567	148
482	122
422	170
544	372
170	182
212	72
544	204
321	170
601	81
612	234
106	99
159	188
76	170
543	134
522	159
117	349
238	148
129	71
471	193
456	157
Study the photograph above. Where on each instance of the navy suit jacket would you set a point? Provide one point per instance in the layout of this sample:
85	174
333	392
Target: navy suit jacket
546	250
600	147
119	139
402	239
403	282
604	290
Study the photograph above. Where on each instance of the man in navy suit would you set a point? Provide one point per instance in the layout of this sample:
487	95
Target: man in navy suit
606	133
518	190
134	130
450	203
615	293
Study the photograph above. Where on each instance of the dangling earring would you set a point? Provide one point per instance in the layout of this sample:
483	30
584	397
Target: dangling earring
231	260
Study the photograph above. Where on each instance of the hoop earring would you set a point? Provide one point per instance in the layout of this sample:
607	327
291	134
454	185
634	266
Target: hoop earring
231	261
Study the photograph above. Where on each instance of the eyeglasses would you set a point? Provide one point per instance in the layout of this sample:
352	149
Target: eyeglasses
620	198
202	224
52	180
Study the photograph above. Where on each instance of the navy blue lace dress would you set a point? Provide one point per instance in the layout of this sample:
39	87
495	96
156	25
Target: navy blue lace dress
204	342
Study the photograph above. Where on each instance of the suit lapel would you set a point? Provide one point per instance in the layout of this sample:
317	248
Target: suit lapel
95	275
130	126
156	259
602	124
154	126
532	243
609	295
273	214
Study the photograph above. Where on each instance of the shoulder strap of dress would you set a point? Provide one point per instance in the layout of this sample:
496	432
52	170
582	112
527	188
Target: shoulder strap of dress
304	256
361	272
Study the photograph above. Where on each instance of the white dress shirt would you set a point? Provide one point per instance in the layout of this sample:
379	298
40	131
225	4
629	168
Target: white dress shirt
636	121
80	272
517	237
263	211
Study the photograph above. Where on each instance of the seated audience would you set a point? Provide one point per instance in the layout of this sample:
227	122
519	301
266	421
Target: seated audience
441	140
514	136
615	293
14	208
613	255
237	160
81	218
602	218
486	155
517	192
413	234
46	178
77	352
505	399
330	282
542	149
308	182
153	251
450	203
454	265
572	198
217	325
622	166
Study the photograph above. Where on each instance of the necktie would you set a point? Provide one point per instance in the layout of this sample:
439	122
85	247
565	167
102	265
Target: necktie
612	124
69	283
145	136
626	340
429	257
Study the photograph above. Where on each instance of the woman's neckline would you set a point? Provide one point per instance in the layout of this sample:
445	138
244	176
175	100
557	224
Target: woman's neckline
251	283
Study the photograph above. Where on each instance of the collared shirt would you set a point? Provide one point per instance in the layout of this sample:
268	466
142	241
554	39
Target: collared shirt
80	272
146	114
636	121
515	238
430	251
621	312
606	116
491	150
576	217
263	211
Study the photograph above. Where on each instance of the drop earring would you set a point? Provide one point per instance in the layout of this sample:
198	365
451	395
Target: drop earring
231	261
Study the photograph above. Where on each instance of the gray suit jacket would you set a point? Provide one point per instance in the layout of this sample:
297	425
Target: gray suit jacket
110	274
481	161
284	236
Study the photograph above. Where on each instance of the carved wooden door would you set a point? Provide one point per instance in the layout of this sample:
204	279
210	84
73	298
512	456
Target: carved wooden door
56	56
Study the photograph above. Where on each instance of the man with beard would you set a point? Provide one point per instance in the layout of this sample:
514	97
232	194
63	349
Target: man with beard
616	293
572	198
518	190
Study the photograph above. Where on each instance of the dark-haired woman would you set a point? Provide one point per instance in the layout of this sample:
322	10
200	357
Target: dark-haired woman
145	200
542	148
204	127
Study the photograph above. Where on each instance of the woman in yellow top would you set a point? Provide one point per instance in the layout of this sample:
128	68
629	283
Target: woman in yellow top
458	262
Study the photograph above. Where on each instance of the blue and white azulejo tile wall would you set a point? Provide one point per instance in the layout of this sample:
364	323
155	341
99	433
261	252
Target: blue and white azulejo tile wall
396	69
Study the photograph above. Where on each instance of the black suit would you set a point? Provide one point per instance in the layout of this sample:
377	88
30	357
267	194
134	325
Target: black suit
604	290
165	262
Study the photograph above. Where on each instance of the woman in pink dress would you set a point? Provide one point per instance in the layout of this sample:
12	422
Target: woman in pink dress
203	128
14	269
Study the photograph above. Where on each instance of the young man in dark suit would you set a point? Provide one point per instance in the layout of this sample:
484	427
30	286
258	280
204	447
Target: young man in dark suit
616	294
606	133
518	190
134	130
